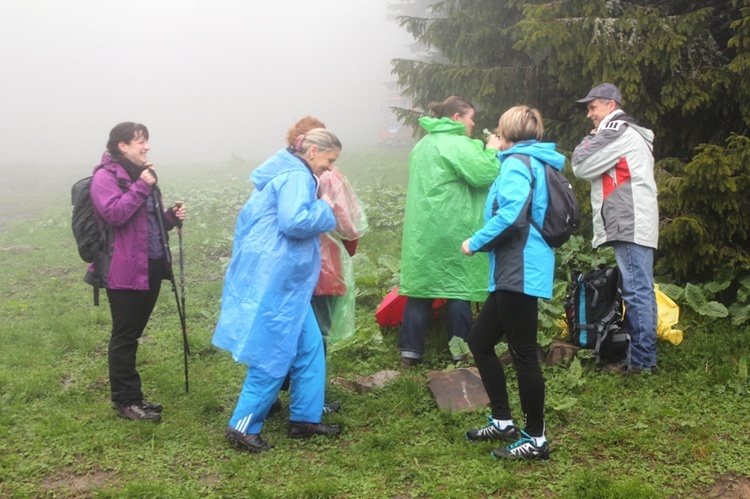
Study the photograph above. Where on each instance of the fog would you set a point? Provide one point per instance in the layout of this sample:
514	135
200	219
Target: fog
209	78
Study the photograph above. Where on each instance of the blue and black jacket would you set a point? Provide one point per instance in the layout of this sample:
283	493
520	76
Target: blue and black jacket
520	260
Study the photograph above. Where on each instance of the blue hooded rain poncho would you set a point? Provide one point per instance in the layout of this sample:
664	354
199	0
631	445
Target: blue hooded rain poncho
274	267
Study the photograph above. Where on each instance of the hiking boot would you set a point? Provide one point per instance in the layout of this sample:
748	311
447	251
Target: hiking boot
524	448
301	429
409	362
331	407
248	441
620	367
492	432
145	405
151	406
136	412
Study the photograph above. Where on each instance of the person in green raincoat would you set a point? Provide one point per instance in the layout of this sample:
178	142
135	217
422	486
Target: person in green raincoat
449	177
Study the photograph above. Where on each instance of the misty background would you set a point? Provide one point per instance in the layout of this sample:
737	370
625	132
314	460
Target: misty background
211	79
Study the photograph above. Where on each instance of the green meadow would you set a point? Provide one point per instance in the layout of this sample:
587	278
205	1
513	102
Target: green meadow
682	432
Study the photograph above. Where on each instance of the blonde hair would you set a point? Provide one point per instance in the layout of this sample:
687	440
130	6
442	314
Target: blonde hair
521	123
321	137
302	127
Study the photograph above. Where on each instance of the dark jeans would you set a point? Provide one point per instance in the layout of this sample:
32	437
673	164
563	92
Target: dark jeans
130	313
513	315
416	316
636	265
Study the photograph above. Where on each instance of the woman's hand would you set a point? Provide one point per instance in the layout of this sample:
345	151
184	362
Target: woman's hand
493	142
147	176
179	210
465	248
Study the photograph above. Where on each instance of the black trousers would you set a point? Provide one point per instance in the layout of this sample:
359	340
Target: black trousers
130	313
323	306
515	316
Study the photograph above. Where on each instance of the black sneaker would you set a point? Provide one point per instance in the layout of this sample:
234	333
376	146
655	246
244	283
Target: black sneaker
301	429
331	407
492	432
248	441
136	412
524	448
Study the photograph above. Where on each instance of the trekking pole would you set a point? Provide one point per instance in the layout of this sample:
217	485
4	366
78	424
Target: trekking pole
185	345
156	196
178	205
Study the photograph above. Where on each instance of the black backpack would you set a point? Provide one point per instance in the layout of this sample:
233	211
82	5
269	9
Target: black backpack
594	311
562	215
85	227
92	235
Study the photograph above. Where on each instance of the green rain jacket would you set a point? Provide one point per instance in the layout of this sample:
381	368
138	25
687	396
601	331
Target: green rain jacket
449	177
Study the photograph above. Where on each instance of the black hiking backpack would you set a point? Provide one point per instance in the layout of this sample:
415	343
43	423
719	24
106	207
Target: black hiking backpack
594	312
562	215
85	227
92	235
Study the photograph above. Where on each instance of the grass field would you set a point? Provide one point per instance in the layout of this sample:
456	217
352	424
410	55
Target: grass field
680	433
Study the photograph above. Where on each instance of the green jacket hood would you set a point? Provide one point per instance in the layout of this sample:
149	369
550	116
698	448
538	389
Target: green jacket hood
442	125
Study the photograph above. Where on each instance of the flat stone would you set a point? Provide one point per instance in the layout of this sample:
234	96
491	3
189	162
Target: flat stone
364	384
506	359
561	351
458	389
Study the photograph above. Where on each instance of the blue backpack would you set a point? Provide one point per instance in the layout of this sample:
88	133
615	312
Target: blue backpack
594	311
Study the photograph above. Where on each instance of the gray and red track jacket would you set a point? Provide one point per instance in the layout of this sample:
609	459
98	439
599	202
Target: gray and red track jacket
619	163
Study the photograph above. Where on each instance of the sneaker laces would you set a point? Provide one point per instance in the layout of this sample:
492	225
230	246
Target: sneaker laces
489	428
525	439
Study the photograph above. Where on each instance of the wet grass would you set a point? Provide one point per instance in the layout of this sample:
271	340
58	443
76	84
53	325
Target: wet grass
681	432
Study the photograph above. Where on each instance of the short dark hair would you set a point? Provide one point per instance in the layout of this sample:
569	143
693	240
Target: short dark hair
124	132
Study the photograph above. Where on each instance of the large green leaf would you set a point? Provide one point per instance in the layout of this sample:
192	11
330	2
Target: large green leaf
695	299
740	313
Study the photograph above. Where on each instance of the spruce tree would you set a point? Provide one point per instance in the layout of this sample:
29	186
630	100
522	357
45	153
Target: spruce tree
683	67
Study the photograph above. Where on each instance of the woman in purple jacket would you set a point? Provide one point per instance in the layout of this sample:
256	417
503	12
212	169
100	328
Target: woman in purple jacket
134	263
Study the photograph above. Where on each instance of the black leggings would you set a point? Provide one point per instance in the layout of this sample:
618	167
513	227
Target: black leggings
130	313
515	316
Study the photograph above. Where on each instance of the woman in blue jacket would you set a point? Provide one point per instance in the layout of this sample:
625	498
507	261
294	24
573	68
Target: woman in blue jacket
266	318
521	271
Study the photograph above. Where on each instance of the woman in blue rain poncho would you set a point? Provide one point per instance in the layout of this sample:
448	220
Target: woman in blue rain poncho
266	319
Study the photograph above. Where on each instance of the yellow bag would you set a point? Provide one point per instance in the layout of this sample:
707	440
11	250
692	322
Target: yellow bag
669	315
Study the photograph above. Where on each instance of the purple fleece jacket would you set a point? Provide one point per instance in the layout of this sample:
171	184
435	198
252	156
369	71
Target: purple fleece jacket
121	203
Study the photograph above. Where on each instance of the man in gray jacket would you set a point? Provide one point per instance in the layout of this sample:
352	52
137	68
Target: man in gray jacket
617	158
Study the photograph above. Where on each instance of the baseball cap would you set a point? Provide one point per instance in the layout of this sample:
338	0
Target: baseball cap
603	91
